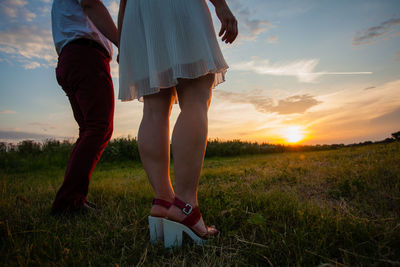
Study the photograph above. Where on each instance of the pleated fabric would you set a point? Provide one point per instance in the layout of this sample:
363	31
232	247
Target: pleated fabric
163	40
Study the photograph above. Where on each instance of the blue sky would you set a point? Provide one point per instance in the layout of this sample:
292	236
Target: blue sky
326	71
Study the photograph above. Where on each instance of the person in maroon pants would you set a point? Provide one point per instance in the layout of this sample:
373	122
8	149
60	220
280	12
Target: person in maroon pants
83	31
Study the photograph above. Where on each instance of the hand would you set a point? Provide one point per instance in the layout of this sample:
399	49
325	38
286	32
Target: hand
229	28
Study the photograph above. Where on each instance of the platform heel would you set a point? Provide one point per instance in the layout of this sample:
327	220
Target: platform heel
173	234
173	231
156	227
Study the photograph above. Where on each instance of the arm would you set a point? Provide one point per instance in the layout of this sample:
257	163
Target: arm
100	17
229	28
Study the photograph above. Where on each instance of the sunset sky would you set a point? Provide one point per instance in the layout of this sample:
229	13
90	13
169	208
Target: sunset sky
314	71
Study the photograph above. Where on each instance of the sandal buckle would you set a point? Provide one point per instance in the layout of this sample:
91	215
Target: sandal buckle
187	209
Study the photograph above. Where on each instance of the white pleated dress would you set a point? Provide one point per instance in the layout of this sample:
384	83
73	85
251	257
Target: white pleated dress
163	40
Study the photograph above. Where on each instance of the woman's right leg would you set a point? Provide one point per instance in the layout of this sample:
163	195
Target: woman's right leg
153	143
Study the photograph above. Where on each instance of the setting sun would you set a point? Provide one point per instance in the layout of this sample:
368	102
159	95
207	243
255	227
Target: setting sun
293	134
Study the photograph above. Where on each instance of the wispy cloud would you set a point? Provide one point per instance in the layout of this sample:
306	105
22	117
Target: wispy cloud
28	15
272	39
249	27
372	34
28	45
16	9
346	115
292	105
10	7
303	70
389	118
32	65
295	104
7	111
352	114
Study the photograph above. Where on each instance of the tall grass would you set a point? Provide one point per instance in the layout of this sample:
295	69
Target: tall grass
317	208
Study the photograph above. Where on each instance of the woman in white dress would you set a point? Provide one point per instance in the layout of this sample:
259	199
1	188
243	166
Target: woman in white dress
169	52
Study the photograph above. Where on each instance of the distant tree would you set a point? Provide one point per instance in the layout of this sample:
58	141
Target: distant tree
3	147
29	147
388	140
396	135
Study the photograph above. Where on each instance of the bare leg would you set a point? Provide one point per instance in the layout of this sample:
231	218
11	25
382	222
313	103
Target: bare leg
153	143
189	141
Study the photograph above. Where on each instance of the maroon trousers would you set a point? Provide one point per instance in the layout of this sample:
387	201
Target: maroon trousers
83	71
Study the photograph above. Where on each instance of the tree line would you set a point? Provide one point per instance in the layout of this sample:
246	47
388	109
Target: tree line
55	153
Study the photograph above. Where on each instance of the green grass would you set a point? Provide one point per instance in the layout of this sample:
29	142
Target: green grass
338	207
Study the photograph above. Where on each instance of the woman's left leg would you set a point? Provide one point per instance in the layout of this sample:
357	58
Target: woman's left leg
189	140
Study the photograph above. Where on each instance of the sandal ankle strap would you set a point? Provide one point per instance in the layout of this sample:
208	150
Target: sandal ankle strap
161	202
193	214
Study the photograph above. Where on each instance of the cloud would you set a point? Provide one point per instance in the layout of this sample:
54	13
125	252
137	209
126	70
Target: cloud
249	27
17	136
113	8
32	65
389	118
272	39
11	12
303	70
372	34
343	115
292	105
354	114
45	10
28	15
16	9
369	88
8	112
12	5
28	45
295	104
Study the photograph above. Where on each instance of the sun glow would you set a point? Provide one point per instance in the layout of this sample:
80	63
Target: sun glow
293	134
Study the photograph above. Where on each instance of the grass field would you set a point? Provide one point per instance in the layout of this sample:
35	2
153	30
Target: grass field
327	208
